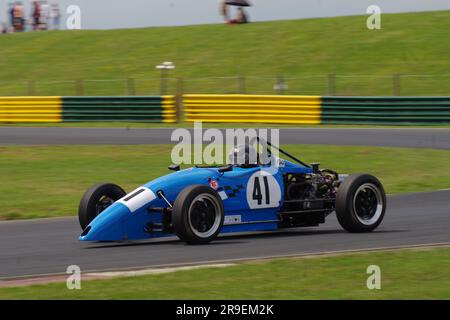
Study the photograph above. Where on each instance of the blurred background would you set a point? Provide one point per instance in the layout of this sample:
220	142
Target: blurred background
334	55
118	14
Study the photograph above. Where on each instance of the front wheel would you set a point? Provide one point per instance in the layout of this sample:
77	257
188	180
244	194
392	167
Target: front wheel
96	199
198	214
360	203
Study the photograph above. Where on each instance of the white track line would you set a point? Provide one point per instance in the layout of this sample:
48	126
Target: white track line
152	271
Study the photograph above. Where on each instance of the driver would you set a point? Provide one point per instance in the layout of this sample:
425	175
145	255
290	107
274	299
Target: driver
244	156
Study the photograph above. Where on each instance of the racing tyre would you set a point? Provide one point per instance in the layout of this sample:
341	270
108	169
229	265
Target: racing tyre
198	214
96	199
360	203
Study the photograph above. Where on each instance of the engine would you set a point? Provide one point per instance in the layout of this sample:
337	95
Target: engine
309	197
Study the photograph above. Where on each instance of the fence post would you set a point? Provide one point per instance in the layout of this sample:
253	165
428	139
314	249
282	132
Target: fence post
331	85
130	87
31	87
241	84
280	86
163	82
179	100
79	87
396	86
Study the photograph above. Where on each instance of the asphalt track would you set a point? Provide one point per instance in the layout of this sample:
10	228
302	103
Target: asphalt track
49	246
389	137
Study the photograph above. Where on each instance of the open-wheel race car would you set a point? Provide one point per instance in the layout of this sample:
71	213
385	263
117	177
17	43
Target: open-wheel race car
199	203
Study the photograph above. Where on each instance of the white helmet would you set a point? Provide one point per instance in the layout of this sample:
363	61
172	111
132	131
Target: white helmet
244	156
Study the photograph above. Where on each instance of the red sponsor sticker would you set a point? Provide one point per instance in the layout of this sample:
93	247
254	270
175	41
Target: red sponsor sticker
214	184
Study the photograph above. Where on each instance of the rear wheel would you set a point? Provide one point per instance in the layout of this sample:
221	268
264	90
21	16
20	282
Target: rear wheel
198	214
360	203
96	199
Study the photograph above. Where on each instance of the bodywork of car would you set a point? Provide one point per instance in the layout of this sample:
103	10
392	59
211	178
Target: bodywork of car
255	199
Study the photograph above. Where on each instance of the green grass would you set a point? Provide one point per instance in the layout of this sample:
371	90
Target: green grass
406	274
408	44
48	181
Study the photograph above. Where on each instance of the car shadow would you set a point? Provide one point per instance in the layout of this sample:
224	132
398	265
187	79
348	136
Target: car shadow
296	233
230	239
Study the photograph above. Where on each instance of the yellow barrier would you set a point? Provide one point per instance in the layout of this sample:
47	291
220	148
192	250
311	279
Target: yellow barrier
169	109
252	108
30	109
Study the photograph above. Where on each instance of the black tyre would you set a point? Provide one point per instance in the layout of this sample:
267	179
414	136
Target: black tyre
96	199
360	203
198	214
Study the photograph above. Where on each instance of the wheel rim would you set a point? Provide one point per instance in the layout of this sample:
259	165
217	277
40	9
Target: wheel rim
368	204
102	204
204	215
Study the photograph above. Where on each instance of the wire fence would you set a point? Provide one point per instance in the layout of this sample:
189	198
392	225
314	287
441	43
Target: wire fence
329	85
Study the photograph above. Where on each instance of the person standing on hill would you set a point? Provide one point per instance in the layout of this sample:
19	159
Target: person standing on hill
11	15
44	16
224	10
19	20
55	16
242	16
35	14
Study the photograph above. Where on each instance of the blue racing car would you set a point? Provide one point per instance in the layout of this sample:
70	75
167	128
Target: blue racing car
199	203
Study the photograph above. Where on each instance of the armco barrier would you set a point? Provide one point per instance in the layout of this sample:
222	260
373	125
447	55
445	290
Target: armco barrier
231	108
88	109
386	110
30	109
317	110
139	109
252	108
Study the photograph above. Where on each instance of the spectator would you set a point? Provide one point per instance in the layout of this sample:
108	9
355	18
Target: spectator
36	14
224	10
44	15
18	21
55	16
11	15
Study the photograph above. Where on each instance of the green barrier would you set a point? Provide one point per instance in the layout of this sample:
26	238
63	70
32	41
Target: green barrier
385	110
126	109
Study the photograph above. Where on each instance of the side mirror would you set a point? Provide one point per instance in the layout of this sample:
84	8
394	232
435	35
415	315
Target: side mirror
174	167
226	169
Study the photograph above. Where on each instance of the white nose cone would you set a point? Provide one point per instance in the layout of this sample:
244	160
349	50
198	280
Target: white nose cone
138	198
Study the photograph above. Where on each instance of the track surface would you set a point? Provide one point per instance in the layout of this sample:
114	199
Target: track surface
413	138
49	246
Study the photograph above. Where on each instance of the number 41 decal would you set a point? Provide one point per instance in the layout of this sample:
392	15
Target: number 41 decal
263	191
257	194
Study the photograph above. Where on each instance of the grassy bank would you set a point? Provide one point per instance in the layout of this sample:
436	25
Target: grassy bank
407	274
48	181
304	51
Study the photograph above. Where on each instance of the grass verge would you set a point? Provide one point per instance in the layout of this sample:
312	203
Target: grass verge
405	274
48	181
